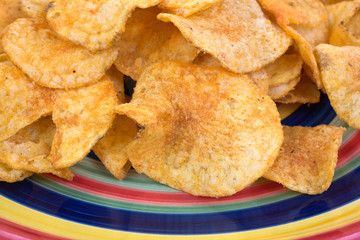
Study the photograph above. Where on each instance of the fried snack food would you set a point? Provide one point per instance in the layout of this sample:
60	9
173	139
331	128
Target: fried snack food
30	147
147	40
111	148
307	22
93	24
22	101
52	62
305	92
35	8
11	175
344	23
186	7
259	77
339	67
9	12
307	158
247	44
283	75
3	58
82	116
198	133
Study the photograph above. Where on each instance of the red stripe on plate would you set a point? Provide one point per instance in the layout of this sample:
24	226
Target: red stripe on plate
14	231
348	151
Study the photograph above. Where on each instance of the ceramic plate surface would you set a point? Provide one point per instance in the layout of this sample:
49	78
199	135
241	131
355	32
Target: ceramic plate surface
97	206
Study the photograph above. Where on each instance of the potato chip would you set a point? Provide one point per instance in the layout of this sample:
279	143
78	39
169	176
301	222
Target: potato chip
147	40
339	68
237	33
117	79
204	130
10	175
34	8
307	22
284	69
259	77
283	89
29	148
111	148
328	2
9	12
3	57
186	7
305	92
307	158
82	116
22	101
52	62
344	23
93	23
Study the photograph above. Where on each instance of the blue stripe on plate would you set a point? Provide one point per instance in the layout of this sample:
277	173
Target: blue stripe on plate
342	191
312	115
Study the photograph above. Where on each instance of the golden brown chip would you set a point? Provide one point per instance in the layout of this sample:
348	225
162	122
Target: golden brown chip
205	131
34	8
148	40
186	7
284	69
8	174
328	2
307	22
52	62
344	23
283	89
237	33
259	77
339	68
22	101
3	57
29	149
305	92
307	158
111	148
117	79
82	116
9	12
93	23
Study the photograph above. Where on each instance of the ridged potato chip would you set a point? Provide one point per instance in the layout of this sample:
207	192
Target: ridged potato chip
305	92
7	174
307	158
93	23
204	130
35	8
22	101
186	7
344	23
237	33
52	62
147	40
29	149
339	68
307	22
111	148
259	77
82	116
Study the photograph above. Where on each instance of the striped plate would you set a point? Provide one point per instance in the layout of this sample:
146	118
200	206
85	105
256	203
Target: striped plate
97	206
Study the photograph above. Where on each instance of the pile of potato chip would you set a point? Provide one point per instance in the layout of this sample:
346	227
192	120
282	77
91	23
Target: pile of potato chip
203	117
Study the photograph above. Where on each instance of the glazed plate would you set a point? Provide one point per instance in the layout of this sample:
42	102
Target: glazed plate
97	206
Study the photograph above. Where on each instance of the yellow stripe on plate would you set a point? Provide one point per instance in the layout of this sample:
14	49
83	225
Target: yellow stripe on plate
30	218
